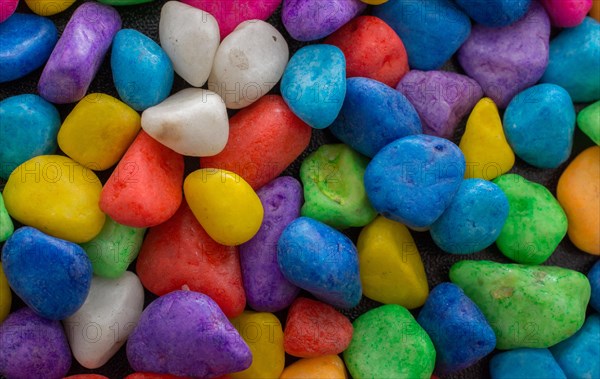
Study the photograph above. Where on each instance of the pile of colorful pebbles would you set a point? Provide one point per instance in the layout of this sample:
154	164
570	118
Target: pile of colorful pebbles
299	189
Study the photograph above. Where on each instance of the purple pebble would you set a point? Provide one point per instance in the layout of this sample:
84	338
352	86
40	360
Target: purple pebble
79	52
33	347
505	61
266	288
308	20
185	333
441	99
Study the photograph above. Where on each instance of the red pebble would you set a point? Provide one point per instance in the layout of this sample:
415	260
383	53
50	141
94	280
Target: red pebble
86	376
372	50
315	329
179	252
264	139
145	188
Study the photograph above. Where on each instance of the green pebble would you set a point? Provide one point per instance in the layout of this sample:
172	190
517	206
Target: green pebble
334	190
124	2
588	121
389	343
114	248
527	306
536	222
6	226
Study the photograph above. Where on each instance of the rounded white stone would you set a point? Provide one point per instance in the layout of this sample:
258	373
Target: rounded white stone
109	314
190	37
192	122
248	63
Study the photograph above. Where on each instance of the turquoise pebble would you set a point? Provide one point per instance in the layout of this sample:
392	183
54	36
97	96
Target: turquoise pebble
52	276
579	355
473	220
525	363
26	41
28	128
594	278
573	64
142	71
314	84
539	124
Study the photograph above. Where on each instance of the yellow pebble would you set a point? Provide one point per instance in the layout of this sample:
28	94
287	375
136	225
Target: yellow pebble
264	335
57	196
374	2
48	7
484	145
224	204
5	295
391	270
595	12
325	367
578	192
98	131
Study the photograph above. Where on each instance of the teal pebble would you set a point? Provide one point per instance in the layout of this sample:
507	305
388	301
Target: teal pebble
525	363
142	71
314	84
28	128
579	355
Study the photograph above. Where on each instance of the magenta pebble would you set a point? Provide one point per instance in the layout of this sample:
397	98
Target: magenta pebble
79	52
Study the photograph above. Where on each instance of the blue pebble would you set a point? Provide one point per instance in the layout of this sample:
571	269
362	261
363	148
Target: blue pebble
314	84
459	331
525	364
374	115
539	124
431	30
26	41
579	355
594	278
52	276
320	260
412	180
28	128
573	64
142	71
473	220
495	13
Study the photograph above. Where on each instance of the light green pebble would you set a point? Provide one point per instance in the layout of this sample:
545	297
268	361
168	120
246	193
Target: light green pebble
588	121
113	250
389	343
6	226
334	190
527	306
536	222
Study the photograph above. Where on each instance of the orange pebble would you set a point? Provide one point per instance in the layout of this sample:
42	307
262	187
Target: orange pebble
578	192
325	367
86	376
595	12
264	139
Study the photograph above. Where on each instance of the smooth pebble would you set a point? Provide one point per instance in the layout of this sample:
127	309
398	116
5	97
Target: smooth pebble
525	364
588	120
578	355
495	13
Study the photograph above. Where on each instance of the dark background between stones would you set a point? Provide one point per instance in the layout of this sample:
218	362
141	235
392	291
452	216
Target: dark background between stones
145	18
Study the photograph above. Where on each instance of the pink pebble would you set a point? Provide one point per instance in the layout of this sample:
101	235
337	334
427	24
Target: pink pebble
231	13
7	8
567	13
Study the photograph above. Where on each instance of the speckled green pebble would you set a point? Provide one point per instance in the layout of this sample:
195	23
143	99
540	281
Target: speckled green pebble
536	222
588	121
6	226
334	191
527	306
389	343
114	248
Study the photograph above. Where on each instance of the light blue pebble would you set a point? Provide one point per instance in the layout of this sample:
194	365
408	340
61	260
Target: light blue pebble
525	364
142	71
539	124
52	276
495	13
26	41
314	84
579	355
573	64
320	260
594	278
374	115
431	30
28	128
412	180
473	220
